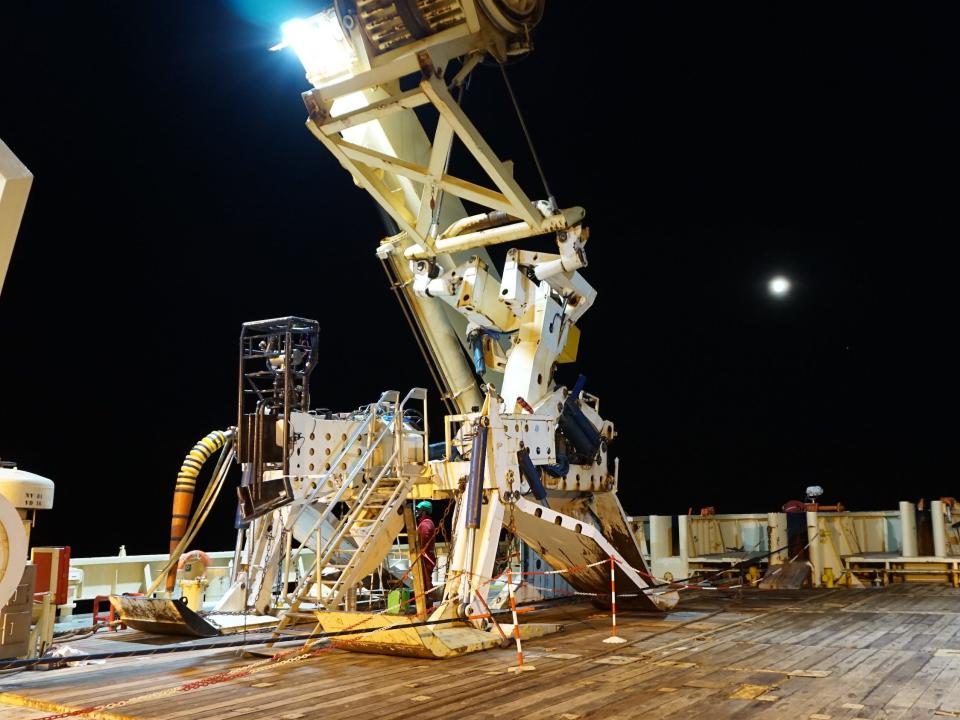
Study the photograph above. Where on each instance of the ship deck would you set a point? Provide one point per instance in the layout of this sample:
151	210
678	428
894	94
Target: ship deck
891	652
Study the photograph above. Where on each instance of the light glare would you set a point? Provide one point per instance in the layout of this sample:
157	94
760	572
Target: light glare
320	45
779	286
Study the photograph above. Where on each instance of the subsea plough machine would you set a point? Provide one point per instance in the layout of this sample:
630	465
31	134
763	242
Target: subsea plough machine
521	453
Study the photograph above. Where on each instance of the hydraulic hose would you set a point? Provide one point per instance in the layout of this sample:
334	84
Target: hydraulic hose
186	485
204	506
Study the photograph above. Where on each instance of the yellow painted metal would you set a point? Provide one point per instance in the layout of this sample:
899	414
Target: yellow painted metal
569	352
522	208
828	578
456	186
15	181
15	700
375	111
441	326
430	194
192	591
397	637
420	583
750	692
44	616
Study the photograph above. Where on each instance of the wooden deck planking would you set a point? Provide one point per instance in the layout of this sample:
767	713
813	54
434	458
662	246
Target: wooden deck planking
350	681
690	672
802	696
950	700
877	646
917	690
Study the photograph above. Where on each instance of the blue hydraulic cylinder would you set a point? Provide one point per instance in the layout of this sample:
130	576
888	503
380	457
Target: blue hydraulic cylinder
478	461
531	473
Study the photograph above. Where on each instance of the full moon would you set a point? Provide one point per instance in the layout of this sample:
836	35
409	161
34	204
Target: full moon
779	286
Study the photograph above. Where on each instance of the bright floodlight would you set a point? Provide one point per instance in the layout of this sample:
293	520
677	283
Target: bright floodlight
779	286
323	50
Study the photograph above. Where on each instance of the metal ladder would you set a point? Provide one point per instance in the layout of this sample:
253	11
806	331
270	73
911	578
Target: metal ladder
365	523
373	516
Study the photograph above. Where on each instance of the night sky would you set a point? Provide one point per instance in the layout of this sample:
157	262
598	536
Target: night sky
177	194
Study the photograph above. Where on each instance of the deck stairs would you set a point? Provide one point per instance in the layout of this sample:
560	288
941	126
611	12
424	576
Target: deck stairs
370	503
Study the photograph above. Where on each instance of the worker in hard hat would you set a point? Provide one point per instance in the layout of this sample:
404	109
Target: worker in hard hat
426	531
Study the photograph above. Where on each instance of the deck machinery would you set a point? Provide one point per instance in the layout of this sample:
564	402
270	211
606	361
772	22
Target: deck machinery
520	451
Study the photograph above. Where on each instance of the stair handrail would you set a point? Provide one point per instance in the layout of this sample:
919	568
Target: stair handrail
347	520
398	493
325	554
373	410
341	491
416	393
388	397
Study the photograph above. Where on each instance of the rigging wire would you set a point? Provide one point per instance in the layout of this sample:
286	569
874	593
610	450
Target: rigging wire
533	151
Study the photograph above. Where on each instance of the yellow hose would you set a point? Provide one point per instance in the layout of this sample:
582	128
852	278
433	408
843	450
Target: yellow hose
186	485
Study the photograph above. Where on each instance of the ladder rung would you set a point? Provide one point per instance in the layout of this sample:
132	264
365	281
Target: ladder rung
364	521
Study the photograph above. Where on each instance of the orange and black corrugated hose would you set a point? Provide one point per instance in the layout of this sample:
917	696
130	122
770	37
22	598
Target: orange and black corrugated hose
184	489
